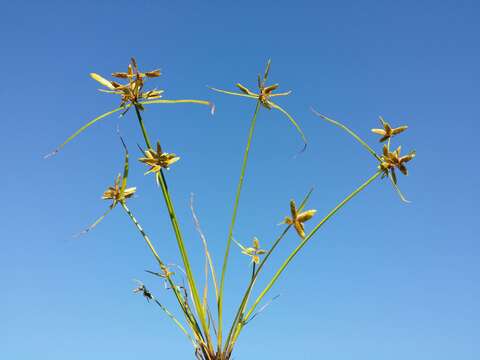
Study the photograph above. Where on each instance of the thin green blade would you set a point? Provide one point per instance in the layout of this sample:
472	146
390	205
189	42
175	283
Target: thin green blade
299	130
83	128
348	130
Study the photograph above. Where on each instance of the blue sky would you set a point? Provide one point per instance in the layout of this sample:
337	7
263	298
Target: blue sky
383	280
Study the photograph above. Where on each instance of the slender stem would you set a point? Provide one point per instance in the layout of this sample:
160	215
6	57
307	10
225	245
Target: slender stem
142	126
142	232
183	253
178	235
232	224
205	246
175	320
189	316
302	244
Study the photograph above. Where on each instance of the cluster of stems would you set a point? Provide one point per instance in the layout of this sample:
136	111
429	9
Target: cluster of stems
206	331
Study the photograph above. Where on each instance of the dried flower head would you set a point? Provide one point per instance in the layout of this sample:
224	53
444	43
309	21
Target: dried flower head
387	132
131	92
264	97
392	160
158	159
254	252
264	92
388	160
298	219
116	193
141	289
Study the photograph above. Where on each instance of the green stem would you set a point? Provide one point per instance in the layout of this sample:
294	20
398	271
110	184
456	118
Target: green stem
232	224
178	235
189	316
183	251
142	126
175	320
302	244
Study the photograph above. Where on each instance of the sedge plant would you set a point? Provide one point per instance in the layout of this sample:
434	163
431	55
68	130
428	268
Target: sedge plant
203	325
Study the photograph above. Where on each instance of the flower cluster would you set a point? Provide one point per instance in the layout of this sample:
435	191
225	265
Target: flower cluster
265	92
131	92
117	193
158	160
298	219
388	132
264	97
391	160
254	251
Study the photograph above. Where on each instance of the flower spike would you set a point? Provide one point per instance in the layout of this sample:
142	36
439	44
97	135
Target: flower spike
297	219
392	160
254	252
389	161
158	159
264	96
131	93
388	132
118	193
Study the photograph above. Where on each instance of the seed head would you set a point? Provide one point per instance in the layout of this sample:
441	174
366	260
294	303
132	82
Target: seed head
387	132
116	194
392	160
141	289
158	159
131	92
298	219
254	252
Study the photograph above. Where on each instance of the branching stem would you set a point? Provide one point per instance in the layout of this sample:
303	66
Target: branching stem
188	314
300	246
178	235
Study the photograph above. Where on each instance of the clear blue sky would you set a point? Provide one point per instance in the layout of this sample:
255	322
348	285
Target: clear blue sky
384	280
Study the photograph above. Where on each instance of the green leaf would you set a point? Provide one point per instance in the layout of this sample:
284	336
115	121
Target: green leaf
267	70
240	245
397	189
348	130
89	228
304	139
85	127
125	168
175	320
180	101
232	93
